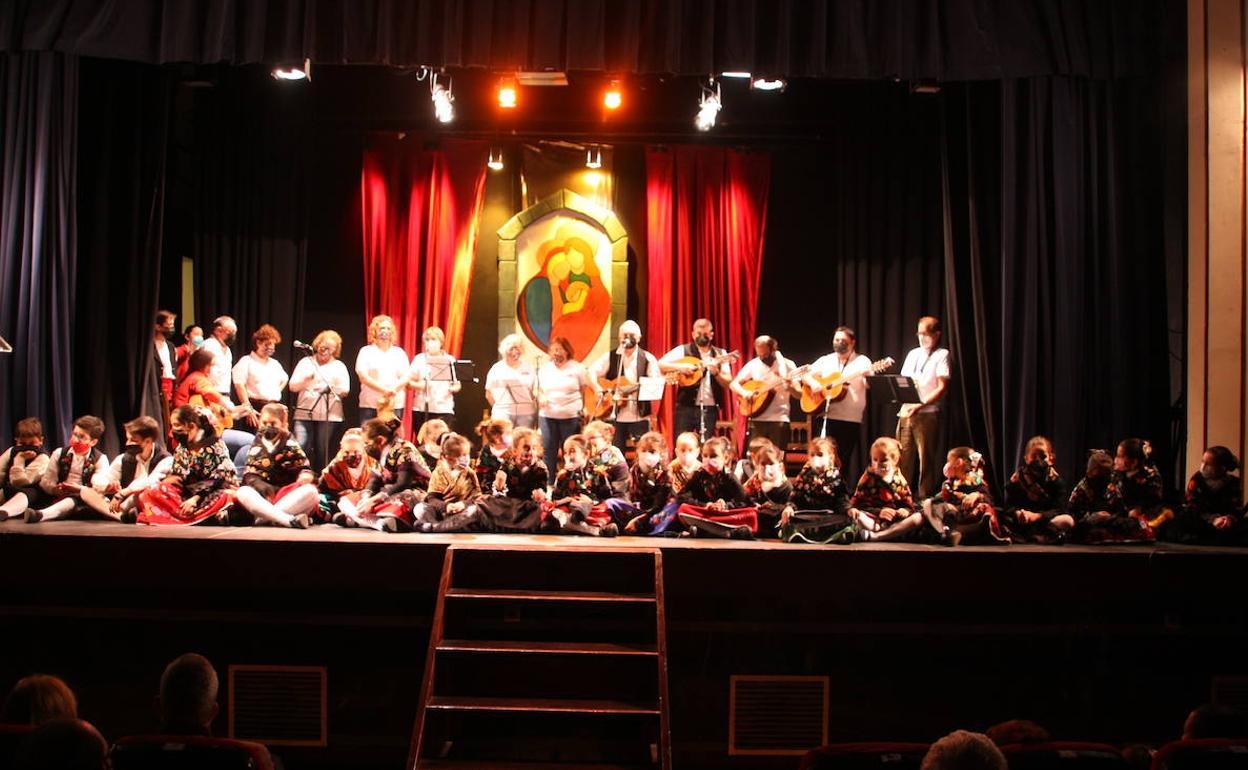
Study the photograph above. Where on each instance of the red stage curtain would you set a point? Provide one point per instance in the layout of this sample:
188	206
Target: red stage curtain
706	208
421	213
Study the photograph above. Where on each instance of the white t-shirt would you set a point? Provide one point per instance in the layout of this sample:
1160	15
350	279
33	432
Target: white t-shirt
706	397
386	367
512	389
778	409
261	379
926	369
851	407
309	385
437	391
166	366
222	363
627	405
562	388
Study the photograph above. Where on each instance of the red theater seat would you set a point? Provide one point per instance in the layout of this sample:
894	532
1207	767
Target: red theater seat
1205	754
865	756
11	739
188	752
1063	755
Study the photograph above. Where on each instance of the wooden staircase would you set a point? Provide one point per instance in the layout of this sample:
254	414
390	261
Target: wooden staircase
546	658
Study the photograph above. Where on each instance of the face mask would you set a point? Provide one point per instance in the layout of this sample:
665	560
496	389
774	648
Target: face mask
559	359
881	469
925	341
36	448
384	335
648	459
690	458
134	450
353	460
713	464
463	461
947	471
702	340
507	441
630	342
768	360
434	450
573	463
841	347
79	447
771	473
1039	466
229	339
819	463
197	340
271	433
1209	472
498	451
181	437
433	346
167	330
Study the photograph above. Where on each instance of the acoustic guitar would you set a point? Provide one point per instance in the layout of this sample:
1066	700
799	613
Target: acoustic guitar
834	387
687	379
606	401
761	392
221	414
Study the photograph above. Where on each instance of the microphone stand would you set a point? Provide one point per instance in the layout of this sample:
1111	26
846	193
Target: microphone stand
324	396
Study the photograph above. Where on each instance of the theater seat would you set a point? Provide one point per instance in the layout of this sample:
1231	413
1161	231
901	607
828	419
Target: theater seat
188	752
11	739
1204	754
865	756
1063	755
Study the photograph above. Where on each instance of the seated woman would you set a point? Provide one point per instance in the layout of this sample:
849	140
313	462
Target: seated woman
712	503
201	482
345	478
768	488
962	511
397	486
1143	490
279	486
882	505
1213	508
197	389
1036	497
496	441
1096	506
578	493
451	504
519	487
649	487
818	510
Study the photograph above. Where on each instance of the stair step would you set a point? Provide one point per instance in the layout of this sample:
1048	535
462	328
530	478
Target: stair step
554	596
481	764
545	705
552	648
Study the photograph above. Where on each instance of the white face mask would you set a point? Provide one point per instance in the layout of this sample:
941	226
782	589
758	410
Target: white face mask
433	346
648	459
770	472
384	335
690	458
463	461
819	462
573	463
883	469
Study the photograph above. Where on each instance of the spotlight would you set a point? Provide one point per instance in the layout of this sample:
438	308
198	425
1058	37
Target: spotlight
293	70
507	93
709	105
614	96
496	159
593	158
768	84
736	74
443	99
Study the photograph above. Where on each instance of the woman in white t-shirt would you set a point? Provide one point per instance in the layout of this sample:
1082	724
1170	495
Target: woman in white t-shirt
258	377
321	380
509	385
560	385
382	368
433	382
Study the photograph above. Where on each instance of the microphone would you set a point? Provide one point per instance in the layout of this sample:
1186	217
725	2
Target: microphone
297	345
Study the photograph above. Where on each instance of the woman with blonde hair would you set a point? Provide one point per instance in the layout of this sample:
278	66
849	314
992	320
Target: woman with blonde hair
382	367
509	385
321	381
432	377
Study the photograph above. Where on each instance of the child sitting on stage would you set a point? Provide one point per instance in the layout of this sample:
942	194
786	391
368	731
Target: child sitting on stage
1096	505
200	483
687	460
429	439
1213	508
962	511
1036	497
143	464
578	492
395	488
882	505
345	478
495	447
649	487
744	468
519	487
454	490
279	487
1140	483
21	467
768	488
606	458
72	469
818	510
712	503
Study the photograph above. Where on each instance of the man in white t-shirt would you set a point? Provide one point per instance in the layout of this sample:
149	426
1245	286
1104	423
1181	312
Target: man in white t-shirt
918	425
769	368
224	330
841	419
630	416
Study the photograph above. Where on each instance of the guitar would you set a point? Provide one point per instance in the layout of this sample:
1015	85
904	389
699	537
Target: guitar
221	414
761	392
609	398
833	387
686	379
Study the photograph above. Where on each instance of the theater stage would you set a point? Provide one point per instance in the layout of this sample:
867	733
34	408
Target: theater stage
1105	643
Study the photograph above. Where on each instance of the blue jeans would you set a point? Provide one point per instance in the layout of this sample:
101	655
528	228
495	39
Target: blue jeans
553	434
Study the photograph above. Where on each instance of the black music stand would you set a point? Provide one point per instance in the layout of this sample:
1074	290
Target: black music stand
895	388
455	370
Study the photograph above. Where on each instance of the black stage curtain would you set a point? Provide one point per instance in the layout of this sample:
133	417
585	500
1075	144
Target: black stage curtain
39	271
124	120
244	204
949	40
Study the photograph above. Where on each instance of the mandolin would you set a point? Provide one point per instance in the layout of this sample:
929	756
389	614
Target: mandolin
686	379
833	388
761	392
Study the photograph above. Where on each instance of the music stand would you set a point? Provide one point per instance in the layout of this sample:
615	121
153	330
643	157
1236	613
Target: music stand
452	371
897	388
5	347
513	395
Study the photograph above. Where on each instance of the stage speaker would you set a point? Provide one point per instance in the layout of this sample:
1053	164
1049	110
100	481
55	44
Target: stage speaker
777	715
278	705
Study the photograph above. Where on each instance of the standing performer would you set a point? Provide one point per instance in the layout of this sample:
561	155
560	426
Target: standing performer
382	368
699	401
767	376
224	330
509	385
432	377
623	369
561	384
918	425
322	381
166	360
258	377
841	419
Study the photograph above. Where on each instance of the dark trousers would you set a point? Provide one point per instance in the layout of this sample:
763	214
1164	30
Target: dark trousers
774	431
918	435
695	419
319	439
846	435
626	430
553	434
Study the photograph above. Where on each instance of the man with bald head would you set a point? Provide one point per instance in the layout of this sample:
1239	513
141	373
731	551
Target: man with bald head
631	417
697	405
